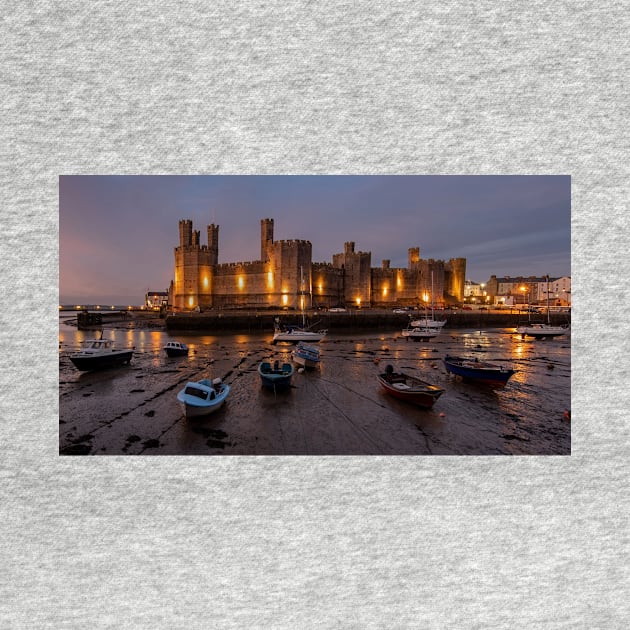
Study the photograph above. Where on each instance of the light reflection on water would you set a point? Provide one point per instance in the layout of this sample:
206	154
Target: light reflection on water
534	398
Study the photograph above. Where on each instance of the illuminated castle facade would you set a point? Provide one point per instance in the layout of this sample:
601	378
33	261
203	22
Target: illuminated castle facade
286	276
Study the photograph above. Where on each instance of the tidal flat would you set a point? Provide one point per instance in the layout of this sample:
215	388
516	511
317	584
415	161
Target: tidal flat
338	409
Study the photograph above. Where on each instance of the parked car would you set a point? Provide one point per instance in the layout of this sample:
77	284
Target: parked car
337	309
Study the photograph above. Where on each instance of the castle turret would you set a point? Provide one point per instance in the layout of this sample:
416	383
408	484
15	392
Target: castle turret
266	238
213	244
455	278
185	233
413	257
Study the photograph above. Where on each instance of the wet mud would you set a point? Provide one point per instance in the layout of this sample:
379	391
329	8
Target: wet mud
337	409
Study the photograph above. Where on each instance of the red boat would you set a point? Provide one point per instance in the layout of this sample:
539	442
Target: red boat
409	388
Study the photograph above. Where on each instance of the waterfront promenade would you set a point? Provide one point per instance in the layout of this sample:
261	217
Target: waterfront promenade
359	319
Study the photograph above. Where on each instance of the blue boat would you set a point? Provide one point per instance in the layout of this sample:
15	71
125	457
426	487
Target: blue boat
276	377
203	397
306	356
483	372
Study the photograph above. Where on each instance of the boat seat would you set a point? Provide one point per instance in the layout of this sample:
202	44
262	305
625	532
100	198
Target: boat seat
401	385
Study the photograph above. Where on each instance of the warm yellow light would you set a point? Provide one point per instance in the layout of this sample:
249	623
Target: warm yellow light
77	306
205	282
358	301
241	282
425	297
384	291
270	279
398	281
302	303
191	301
60	307
320	286
285	299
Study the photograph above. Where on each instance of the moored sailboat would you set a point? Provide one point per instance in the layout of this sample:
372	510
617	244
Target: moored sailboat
542	330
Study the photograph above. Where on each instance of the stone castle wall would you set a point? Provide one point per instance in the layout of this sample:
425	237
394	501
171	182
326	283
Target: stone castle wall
287	277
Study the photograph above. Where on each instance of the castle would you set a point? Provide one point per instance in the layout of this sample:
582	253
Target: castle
286	276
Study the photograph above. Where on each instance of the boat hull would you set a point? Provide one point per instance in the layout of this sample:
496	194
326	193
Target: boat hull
421	334
296	336
305	362
103	361
412	391
541	332
172	352
276	379
195	406
492	375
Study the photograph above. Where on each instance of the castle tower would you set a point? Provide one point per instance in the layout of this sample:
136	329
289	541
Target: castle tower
357	275
413	257
213	244
266	238
185	233
455	278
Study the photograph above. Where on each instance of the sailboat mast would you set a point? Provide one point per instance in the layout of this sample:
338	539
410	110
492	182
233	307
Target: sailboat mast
548	315
432	302
302	296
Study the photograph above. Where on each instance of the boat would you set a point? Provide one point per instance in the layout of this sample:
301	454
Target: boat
420	334
306	356
543	330
96	354
409	388
201	398
293	333
276	376
176	349
426	321
491	374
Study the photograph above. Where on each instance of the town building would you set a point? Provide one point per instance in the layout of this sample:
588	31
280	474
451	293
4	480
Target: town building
530	290
286	276
155	300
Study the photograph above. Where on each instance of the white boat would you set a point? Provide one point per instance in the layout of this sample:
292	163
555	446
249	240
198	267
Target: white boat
420	334
203	397
426	321
96	354
542	330
293	333
176	349
306	356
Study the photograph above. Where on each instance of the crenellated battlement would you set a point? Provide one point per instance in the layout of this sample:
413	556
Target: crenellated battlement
286	268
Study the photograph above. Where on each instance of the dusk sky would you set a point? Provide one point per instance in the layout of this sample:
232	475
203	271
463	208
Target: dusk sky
117	233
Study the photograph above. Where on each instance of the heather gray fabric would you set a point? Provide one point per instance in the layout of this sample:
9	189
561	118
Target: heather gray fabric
328	87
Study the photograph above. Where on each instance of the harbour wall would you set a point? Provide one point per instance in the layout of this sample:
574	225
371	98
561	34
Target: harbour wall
253	321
